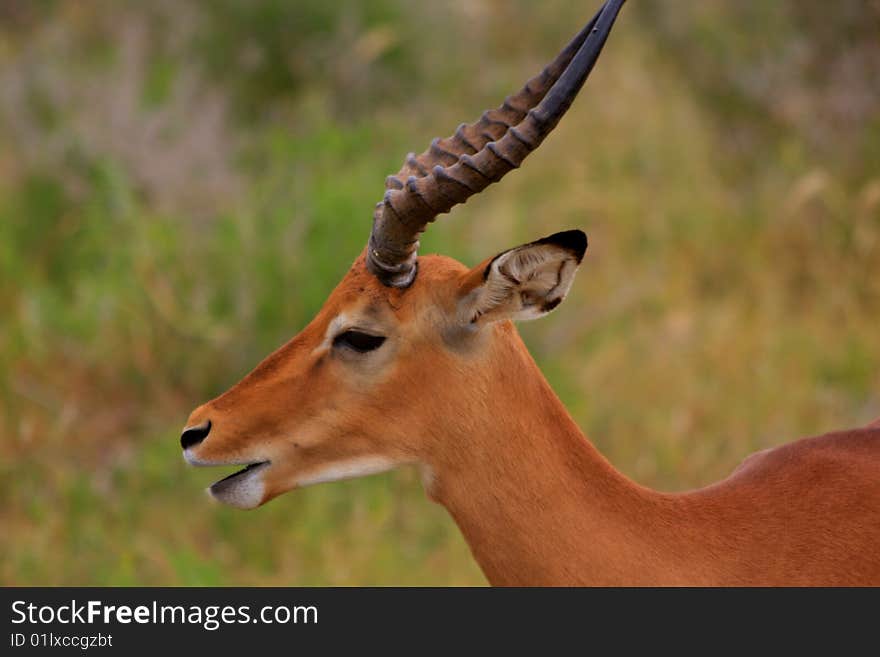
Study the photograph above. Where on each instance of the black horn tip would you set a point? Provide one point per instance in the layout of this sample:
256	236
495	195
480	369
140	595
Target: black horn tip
481	153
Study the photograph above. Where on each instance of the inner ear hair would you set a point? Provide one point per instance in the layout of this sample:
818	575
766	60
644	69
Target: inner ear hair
528	281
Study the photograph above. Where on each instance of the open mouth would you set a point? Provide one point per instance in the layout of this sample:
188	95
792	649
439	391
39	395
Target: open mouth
243	471
243	489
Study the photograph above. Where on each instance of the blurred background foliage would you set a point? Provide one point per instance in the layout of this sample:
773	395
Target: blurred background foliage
182	184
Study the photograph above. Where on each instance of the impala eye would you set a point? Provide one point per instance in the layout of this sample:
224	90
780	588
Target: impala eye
358	341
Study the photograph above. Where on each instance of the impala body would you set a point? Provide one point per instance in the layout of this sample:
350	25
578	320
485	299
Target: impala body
416	360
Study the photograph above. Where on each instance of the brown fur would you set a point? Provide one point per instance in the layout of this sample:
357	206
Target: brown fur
535	500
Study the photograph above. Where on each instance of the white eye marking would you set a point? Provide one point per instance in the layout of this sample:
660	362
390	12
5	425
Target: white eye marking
357	467
333	328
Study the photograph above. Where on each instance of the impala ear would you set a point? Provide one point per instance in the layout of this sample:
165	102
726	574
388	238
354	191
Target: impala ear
526	282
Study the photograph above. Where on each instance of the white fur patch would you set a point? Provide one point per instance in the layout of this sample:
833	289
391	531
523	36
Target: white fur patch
428	478
359	467
245	496
333	328
244	491
192	459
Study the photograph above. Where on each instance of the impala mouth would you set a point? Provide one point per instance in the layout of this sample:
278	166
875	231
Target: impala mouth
245	470
243	489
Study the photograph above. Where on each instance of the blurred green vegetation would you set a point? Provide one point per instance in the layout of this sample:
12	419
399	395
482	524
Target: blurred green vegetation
182	184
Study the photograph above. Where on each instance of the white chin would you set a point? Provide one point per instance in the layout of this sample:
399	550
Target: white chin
243	490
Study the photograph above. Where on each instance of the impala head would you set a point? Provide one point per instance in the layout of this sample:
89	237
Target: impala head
403	343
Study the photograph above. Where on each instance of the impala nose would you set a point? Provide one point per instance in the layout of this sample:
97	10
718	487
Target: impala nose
192	436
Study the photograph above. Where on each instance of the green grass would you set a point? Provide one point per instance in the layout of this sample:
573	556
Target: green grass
728	302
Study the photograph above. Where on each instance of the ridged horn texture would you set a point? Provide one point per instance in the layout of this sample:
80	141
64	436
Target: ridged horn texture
478	154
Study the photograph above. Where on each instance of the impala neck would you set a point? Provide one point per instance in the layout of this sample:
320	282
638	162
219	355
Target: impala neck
535	500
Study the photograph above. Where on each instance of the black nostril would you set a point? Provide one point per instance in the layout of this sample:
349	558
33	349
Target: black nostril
194	435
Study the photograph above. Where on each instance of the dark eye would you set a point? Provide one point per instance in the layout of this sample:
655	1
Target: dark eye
358	341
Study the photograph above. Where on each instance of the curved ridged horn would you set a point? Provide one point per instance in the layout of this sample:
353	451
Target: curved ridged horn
455	168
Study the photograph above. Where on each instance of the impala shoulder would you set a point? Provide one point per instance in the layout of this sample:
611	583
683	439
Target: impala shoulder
832	453
754	459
